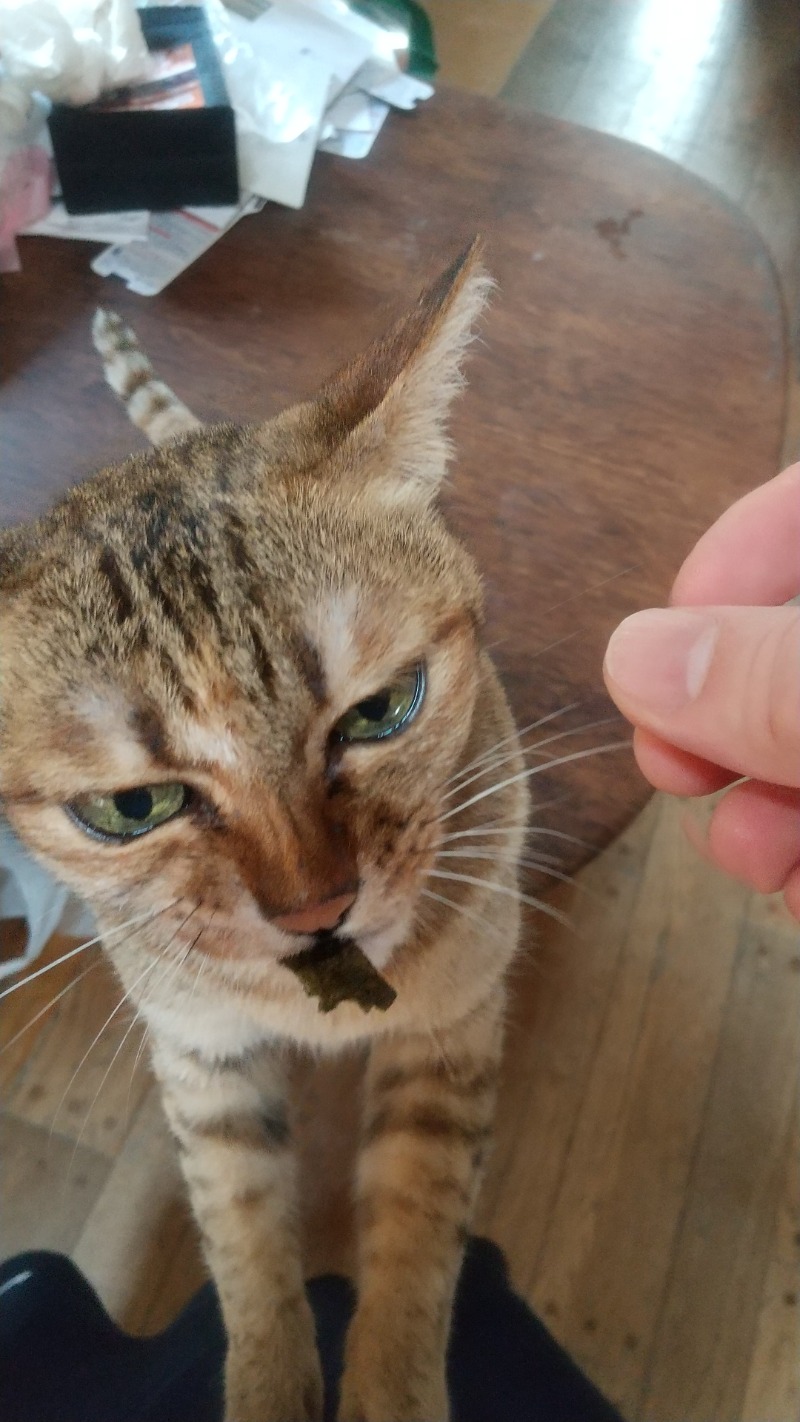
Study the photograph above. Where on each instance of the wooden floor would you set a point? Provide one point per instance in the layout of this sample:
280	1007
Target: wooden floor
646	1180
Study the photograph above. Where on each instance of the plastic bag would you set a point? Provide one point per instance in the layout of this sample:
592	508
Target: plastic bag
69	50
28	891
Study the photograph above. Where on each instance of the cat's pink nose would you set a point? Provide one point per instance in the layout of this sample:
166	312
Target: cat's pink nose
317	916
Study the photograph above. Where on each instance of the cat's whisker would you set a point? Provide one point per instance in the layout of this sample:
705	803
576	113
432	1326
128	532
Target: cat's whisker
73	982
202	964
96	1096
134	1069
504	889
82	947
535	770
122	1001
515	735
541	805
593	587
125	997
538	858
492	851
172	969
497	851
491	827
536	749
562	835
504	830
159	986
540	865
559	642
470	913
441	1053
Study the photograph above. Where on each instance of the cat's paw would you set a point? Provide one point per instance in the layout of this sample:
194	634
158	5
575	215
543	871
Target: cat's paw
385	1383
260	1401
385	1400
278	1381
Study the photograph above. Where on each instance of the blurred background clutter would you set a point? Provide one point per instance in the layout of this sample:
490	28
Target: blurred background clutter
156	128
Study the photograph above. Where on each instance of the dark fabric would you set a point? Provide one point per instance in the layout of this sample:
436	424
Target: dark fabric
62	1359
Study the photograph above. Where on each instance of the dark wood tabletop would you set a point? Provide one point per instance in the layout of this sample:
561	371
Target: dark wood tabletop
629	383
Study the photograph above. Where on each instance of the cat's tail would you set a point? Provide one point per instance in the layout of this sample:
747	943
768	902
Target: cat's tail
150	403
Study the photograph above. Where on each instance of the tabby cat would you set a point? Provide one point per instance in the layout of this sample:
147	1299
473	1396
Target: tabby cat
245	710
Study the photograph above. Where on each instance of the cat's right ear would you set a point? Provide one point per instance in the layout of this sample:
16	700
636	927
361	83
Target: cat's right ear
383	417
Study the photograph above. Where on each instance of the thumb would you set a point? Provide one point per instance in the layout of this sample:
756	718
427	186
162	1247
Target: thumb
721	682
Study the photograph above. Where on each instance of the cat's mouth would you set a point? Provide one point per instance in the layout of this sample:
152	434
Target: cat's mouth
372	943
335	970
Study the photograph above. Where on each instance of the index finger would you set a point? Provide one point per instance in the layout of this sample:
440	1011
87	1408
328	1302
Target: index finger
751	555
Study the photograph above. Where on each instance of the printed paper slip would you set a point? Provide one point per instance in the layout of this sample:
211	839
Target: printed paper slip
174	241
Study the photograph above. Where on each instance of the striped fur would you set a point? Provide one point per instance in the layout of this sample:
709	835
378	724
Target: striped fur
151	405
427	1131
230	1124
205	614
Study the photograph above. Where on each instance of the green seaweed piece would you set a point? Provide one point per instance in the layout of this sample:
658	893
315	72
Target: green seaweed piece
335	970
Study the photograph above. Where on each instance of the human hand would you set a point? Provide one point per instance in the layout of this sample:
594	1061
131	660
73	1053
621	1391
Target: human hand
712	686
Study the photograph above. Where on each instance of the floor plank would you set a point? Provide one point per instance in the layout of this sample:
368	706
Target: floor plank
32	1007
79	1079
773	1383
562	991
706	1334
139	1245
610	1233
47	1188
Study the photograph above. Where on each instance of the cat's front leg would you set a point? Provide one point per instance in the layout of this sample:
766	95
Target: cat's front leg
229	1119
427	1125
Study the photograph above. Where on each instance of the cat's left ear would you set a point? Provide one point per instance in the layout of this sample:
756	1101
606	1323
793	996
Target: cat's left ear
384	415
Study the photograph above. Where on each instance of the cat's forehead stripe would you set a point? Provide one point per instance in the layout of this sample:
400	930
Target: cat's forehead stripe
149	729
311	667
118	585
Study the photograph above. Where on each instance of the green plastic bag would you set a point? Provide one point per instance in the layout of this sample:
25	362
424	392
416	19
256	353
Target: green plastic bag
405	15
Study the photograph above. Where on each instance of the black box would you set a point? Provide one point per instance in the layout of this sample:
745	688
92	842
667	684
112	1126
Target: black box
113	156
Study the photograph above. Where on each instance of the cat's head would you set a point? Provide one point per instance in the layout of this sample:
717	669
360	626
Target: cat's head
239	671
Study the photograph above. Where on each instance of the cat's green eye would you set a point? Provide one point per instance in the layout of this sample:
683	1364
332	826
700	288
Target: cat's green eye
387	711
129	813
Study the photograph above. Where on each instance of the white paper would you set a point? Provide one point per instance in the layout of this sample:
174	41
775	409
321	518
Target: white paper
174	241
385	81
356	113
278	171
352	124
340	46
279	90
119	227
348	145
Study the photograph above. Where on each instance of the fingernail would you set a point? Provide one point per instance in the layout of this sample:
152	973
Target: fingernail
661	657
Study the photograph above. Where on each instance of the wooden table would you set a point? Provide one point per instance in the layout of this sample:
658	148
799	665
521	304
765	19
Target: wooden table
630	383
